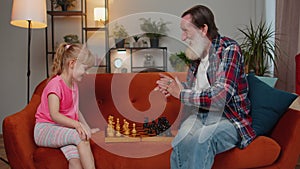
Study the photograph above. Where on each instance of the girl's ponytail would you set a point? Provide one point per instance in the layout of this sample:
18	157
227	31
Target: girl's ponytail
60	59
66	52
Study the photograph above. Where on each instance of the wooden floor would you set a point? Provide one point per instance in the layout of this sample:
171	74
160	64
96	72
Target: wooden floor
4	165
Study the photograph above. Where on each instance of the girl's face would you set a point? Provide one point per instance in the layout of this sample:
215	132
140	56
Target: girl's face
79	71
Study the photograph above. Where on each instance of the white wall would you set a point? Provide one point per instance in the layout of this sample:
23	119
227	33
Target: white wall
229	14
13	64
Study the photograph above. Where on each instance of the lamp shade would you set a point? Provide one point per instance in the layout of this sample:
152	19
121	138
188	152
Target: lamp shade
99	14
33	10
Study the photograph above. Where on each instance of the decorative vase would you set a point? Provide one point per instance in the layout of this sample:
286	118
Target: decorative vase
154	42
64	7
120	43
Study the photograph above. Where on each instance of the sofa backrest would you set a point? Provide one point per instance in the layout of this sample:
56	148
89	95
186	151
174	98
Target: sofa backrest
127	96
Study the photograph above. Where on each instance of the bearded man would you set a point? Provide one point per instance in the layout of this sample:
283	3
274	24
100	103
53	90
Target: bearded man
215	94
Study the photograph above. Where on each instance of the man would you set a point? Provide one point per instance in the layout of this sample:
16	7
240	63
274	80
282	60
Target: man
215	93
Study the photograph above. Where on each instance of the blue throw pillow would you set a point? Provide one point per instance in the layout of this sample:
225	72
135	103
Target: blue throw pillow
267	104
271	81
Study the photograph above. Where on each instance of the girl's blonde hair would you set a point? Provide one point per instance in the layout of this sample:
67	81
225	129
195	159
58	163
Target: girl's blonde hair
66	52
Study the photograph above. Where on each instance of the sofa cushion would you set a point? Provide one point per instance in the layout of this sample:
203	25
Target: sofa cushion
54	158
268	80
267	104
263	151
44	157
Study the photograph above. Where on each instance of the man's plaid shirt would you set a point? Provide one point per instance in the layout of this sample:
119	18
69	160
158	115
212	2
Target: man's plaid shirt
228	87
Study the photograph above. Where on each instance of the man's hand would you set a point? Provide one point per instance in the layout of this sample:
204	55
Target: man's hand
169	86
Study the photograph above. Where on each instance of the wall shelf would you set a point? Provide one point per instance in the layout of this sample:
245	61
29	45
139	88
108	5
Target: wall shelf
65	13
137	59
82	23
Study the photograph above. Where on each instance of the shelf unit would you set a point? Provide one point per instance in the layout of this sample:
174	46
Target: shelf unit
105	30
135	59
80	14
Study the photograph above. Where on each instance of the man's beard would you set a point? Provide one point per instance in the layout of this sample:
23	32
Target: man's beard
198	47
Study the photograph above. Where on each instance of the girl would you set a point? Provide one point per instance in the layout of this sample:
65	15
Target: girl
59	122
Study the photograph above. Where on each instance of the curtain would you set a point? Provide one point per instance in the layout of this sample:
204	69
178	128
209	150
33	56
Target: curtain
287	31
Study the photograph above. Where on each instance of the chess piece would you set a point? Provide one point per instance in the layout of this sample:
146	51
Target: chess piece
118	134
126	127
110	126
133	131
146	125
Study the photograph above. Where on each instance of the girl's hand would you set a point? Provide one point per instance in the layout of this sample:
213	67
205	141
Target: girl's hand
94	130
83	131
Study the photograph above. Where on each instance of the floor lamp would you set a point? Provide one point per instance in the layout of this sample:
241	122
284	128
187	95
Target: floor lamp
29	14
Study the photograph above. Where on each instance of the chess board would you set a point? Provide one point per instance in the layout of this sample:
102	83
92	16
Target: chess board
141	136
156	130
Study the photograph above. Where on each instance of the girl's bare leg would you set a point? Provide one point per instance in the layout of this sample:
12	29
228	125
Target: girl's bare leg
86	155
74	163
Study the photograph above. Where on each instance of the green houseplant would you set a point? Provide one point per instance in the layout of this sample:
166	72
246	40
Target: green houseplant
71	38
64	4
154	30
259	48
179	61
119	33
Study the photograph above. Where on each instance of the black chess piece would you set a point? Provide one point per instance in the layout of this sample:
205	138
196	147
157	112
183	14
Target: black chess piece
146	125
164	125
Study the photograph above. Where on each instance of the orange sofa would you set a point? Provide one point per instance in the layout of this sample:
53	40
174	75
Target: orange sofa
131	96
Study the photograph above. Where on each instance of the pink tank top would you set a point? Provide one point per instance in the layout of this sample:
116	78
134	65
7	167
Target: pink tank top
68	100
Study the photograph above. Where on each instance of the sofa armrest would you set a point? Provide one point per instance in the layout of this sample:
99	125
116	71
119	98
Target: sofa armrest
18	132
18	136
286	134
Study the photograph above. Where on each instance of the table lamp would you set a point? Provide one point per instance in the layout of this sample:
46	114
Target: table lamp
29	14
99	16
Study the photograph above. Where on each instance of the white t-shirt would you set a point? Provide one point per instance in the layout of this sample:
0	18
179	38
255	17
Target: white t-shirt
201	78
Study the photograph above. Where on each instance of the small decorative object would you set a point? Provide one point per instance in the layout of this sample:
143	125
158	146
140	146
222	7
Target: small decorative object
144	43
64	4
118	62
149	61
124	70
154	30
71	38
136	39
179	61
120	34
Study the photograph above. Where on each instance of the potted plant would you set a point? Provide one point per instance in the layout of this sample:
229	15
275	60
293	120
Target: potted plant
154	30
64	4
179	61
120	34
71	38
259	48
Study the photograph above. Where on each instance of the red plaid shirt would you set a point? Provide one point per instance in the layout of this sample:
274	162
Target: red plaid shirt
228	87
